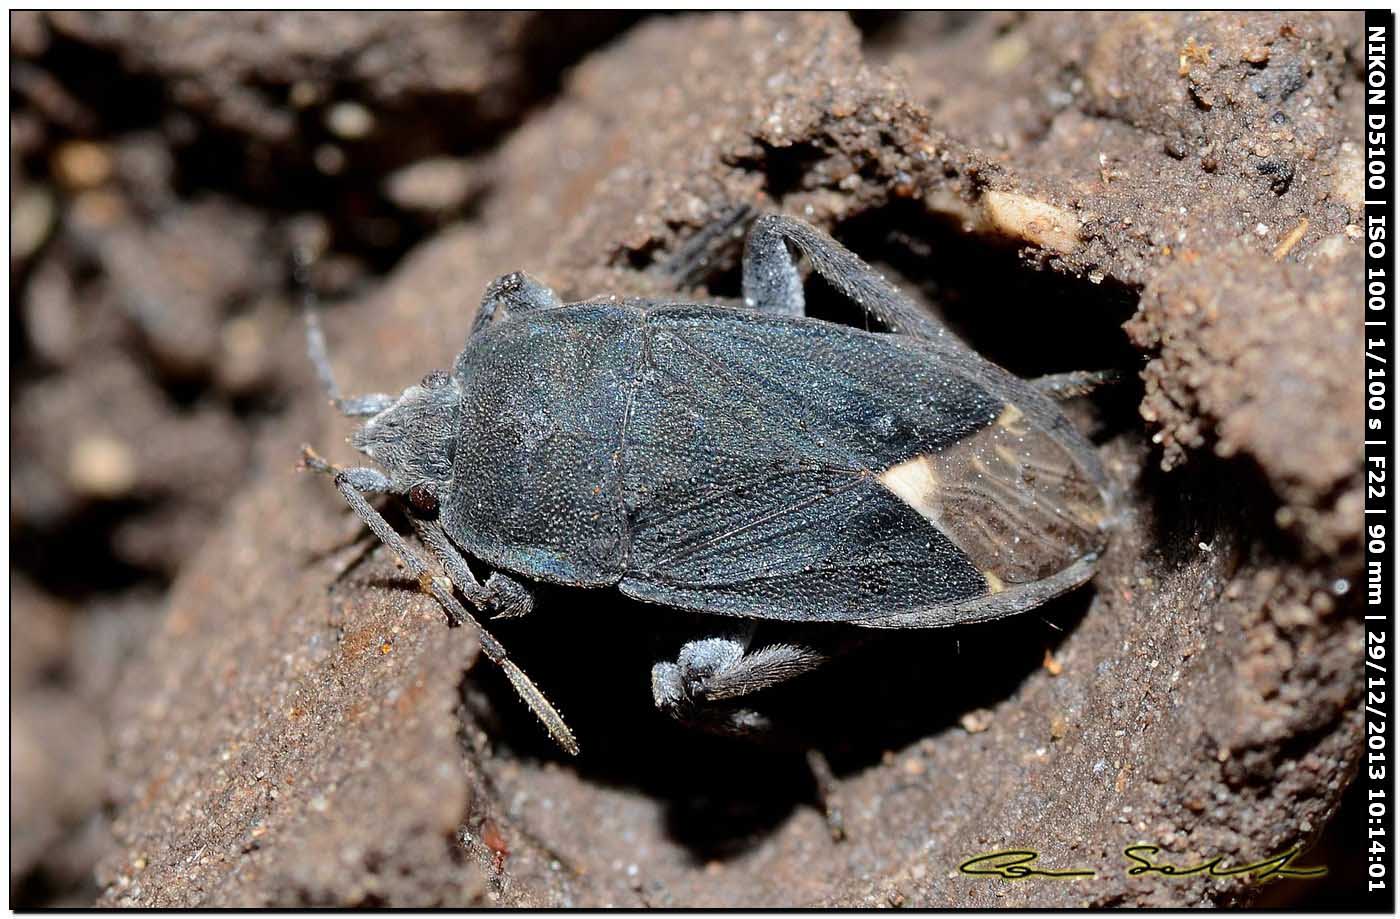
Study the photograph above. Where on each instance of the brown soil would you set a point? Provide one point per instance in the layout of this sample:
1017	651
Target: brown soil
222	694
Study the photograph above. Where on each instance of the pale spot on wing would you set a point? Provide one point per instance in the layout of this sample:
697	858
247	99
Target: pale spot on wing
1009	497
994	583
915	483
1013	421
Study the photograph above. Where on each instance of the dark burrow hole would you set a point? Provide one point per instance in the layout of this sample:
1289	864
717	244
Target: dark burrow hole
1028	319
1031	320
592	651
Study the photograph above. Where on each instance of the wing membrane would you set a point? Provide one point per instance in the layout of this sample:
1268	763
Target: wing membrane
750	466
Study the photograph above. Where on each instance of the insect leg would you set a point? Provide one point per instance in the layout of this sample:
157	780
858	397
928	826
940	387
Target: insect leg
507	598
771	282
710	672
696	257
829	793
699	688
353	484
1062	386
504	596
516	292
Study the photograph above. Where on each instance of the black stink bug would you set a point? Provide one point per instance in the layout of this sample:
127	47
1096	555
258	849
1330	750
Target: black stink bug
751	463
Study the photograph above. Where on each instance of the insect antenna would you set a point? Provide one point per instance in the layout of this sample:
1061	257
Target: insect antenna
356	406
302	259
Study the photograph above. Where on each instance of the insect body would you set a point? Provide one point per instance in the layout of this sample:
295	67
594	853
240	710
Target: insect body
751	463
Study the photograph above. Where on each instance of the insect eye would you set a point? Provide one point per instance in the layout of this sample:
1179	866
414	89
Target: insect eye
435	380
422	501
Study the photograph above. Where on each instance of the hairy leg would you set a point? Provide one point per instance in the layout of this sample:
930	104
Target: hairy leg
709	674
772	283
516	292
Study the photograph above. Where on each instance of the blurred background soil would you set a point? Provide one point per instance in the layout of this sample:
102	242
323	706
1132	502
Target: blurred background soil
223	694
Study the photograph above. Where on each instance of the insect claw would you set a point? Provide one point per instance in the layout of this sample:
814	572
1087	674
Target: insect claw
507	598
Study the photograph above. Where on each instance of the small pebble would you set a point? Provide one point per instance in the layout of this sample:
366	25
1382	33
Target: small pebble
430	185
349	121
102	467
329	159
31	218
82	164
975	722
